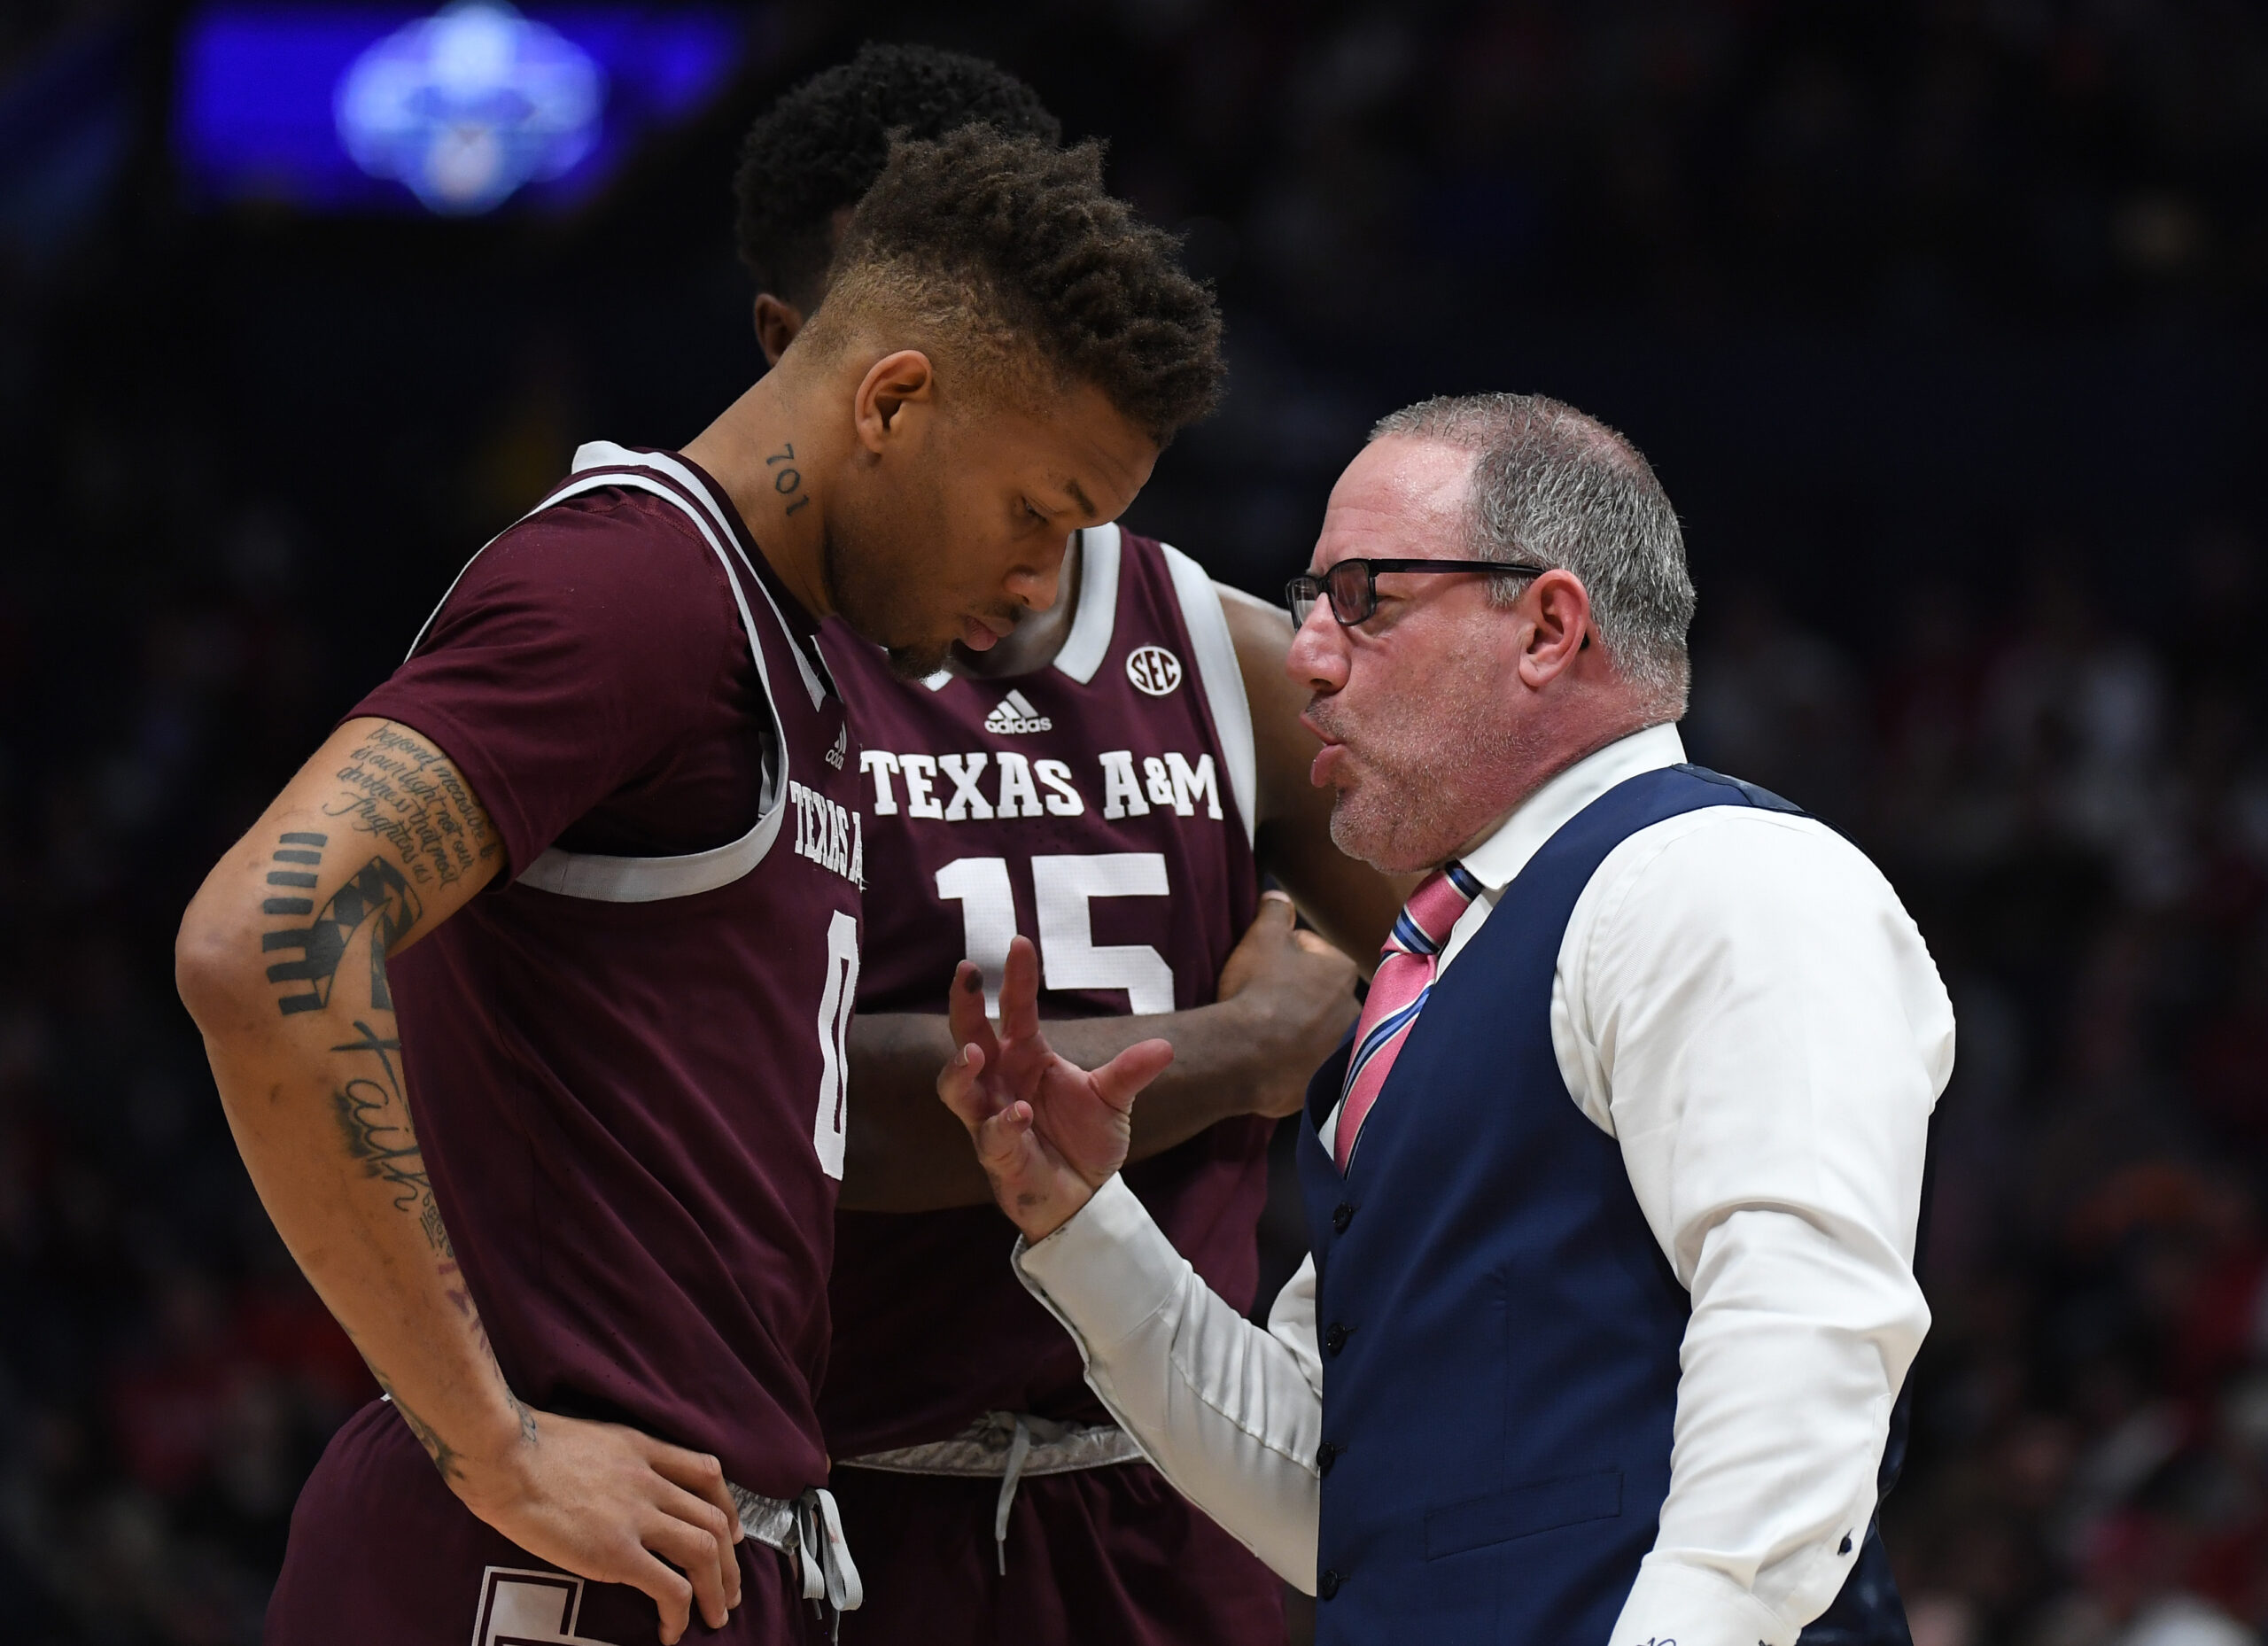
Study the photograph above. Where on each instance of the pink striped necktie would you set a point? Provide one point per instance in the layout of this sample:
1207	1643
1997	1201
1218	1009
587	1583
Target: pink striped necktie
1398	991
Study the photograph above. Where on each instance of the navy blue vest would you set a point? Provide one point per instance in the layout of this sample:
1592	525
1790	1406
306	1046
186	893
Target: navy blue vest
1500	1331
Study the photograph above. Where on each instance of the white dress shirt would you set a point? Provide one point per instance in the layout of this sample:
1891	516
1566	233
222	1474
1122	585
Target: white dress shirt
1743	1002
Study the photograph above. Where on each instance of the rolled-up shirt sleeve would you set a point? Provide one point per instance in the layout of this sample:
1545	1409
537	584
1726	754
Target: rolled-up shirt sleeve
1232	1414
1742	1002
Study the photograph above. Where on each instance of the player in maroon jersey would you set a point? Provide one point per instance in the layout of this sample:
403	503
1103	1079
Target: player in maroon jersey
1104	778
612	800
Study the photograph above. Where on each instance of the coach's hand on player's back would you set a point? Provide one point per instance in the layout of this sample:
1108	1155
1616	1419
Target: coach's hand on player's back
1295	994
1048	1133
609	1503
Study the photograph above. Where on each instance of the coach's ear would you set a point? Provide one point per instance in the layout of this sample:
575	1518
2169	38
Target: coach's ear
1558	607
777	322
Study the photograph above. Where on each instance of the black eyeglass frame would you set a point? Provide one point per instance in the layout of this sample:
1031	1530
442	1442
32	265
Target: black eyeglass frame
1304	591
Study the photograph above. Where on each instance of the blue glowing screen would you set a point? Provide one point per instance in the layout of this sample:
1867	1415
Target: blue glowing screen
456	110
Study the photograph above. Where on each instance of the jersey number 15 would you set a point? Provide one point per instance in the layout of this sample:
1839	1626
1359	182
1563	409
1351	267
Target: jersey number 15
1061	889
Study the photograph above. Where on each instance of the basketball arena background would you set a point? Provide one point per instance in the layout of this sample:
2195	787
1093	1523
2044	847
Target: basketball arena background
1942	323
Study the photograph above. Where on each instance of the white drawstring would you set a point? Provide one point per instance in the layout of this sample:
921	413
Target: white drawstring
1019	1449
808	1529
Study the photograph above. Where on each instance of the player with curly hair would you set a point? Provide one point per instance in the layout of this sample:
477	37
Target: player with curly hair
527	998
1108	779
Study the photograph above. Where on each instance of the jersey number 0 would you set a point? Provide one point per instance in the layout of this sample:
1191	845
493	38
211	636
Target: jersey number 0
830	1125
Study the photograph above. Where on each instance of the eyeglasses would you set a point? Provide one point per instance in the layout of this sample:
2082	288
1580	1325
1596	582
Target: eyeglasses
1353	584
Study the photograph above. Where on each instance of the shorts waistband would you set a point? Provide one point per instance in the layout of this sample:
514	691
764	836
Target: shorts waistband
989	1446
1010	1445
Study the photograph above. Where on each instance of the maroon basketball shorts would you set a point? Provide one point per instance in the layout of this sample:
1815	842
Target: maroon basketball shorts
1108	1557
383	1554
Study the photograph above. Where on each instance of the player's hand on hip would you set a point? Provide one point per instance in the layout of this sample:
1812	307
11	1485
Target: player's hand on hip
1296	994
1048	1133
609	1503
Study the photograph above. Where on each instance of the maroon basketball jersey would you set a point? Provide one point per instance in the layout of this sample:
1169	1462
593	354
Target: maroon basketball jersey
1101	806
628	1071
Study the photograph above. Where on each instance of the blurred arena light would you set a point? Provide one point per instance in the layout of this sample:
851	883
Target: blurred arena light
458	110
466	105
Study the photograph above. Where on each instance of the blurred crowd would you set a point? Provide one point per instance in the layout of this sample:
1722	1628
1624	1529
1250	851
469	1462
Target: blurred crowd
2073	800
2055	740
1692	158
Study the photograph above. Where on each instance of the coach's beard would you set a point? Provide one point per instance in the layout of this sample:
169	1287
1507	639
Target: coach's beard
1401	803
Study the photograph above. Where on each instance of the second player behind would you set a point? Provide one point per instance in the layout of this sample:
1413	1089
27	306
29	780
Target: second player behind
1110	777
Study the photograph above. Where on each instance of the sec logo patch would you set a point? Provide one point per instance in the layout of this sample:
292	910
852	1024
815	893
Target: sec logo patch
1153	669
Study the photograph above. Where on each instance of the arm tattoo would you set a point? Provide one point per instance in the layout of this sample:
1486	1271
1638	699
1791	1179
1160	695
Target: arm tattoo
377	898
375	1121
406	792
444	1455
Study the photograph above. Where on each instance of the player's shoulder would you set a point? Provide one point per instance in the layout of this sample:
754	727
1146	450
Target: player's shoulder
1254	624
612	571
604	519
613	546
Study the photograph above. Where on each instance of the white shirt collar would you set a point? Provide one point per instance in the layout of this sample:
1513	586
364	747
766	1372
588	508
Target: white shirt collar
1496	860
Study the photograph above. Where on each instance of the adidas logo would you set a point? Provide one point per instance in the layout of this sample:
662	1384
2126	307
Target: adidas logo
835	756
1016	714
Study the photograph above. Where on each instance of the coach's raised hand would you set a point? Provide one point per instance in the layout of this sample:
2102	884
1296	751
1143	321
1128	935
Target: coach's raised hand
1048	1133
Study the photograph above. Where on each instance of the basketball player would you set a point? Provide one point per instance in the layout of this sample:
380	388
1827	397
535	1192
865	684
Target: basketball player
1102	778
578	891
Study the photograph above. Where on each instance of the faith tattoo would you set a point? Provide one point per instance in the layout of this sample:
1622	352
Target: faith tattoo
375	1123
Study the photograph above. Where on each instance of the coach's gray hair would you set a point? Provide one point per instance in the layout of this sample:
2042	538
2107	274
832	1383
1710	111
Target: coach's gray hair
1556	488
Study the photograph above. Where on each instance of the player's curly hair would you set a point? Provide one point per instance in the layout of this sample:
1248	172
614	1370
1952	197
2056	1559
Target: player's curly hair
816	150
1000	252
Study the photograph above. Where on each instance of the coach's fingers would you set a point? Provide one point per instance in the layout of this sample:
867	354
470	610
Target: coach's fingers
1314	942
1119	1080
963	1093
1019	991
697	1552
1005	1145
964	1010
671	1591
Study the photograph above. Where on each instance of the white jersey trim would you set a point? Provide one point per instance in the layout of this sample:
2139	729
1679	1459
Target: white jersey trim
594	876
592	454
1097	618
1223	678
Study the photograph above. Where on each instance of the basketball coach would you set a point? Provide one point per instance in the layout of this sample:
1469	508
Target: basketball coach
1612	1195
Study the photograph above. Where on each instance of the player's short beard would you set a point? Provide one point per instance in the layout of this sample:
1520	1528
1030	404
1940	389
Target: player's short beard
877	595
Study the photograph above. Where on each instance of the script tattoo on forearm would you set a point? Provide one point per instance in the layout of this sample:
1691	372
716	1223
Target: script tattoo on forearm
406	792
375	1123
409	796
374	1120
375	899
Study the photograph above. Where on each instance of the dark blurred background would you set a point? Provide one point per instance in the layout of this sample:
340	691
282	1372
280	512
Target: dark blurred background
1941	322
